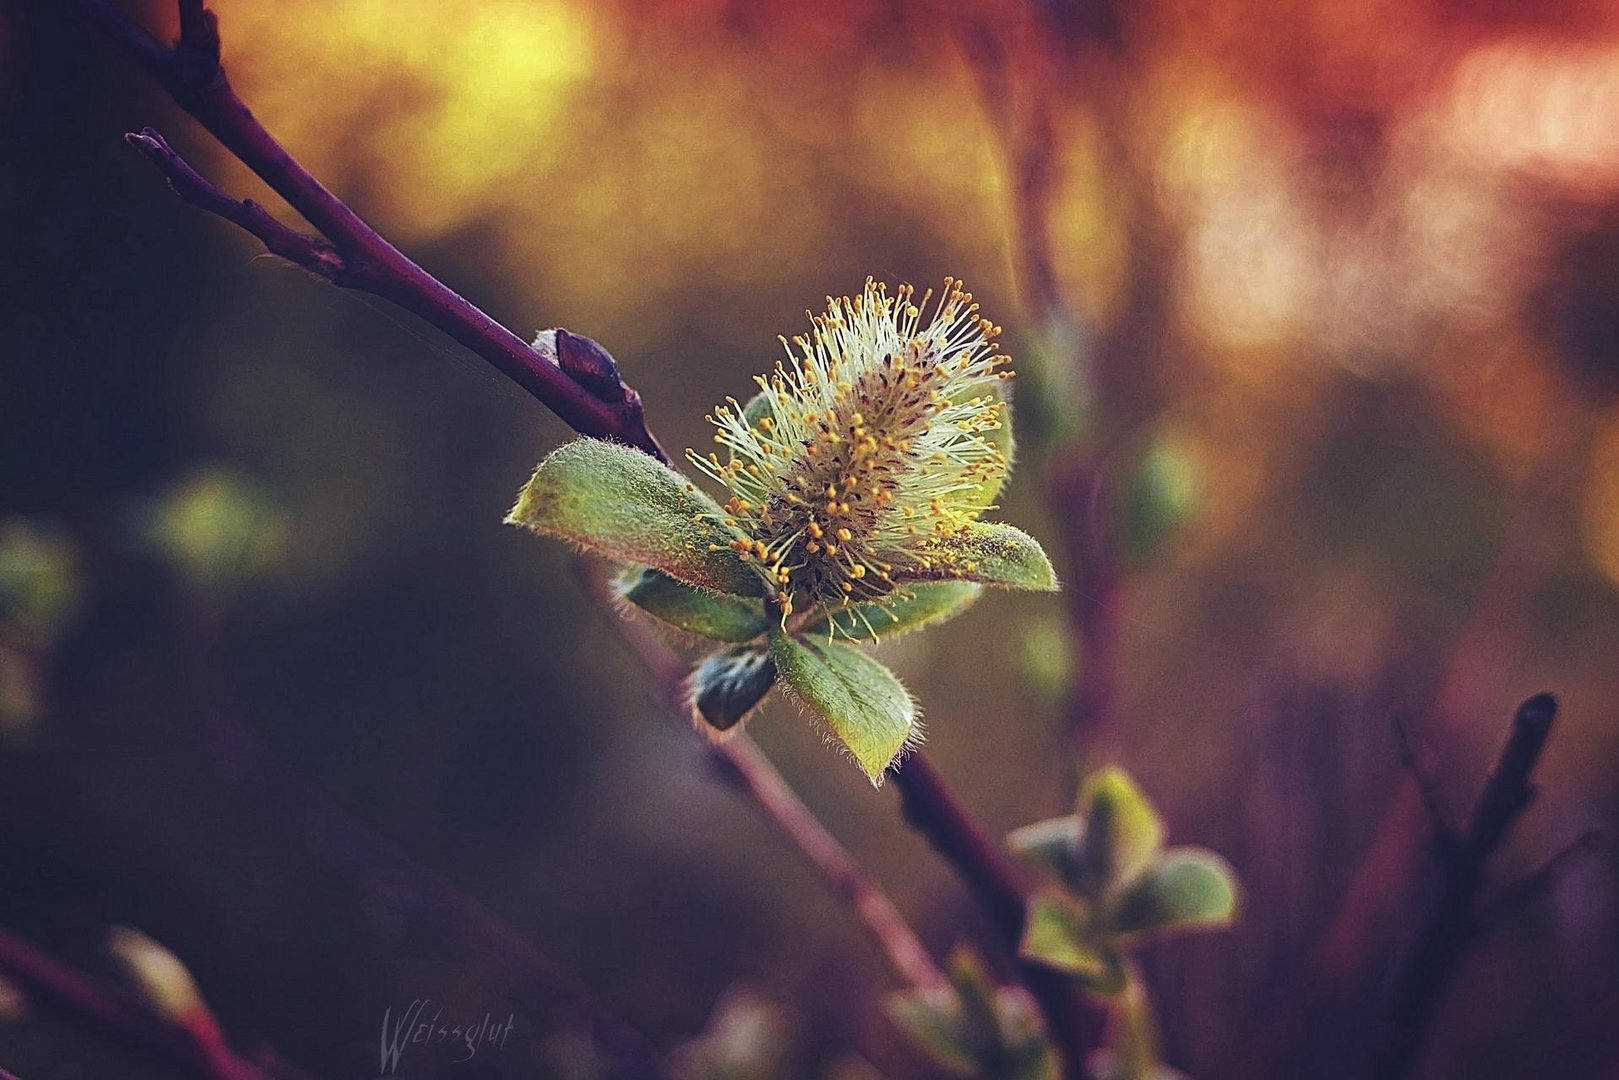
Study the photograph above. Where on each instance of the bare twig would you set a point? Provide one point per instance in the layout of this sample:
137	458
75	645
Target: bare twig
1433	961
197	1050
310	252
193	76
1448	833
753	774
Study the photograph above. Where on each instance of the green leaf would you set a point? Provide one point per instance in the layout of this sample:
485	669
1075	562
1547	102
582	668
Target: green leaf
1051	847
718	616
1185	889
989	552
631	508
727	686
976	994
1120	832
861	702
912	608
1060	933
933	1023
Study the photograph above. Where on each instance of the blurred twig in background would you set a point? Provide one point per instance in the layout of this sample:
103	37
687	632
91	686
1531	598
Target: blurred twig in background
191	1043
1432	963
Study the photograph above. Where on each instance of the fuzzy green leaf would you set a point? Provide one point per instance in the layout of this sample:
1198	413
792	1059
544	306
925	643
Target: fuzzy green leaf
1120	832
989	552
717	616
861	703
1185	889
631	508
727	686
916	606
1061	933
1051	847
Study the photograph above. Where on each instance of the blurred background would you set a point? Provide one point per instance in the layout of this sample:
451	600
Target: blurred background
1316	309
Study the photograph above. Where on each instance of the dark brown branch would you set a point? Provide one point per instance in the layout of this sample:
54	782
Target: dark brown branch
1074	1022
1452	926
194	1049
193	76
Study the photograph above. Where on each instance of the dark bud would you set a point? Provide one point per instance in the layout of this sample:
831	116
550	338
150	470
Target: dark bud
589	365
727	686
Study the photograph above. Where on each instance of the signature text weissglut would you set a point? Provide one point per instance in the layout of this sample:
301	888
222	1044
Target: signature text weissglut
423	1024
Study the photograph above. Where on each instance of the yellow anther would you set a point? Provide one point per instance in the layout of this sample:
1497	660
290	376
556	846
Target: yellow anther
814	529
857	571
845	535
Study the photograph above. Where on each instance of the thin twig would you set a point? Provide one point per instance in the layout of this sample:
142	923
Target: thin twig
1448	832
176	1045
1433	962
310	252
194	78
739	761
